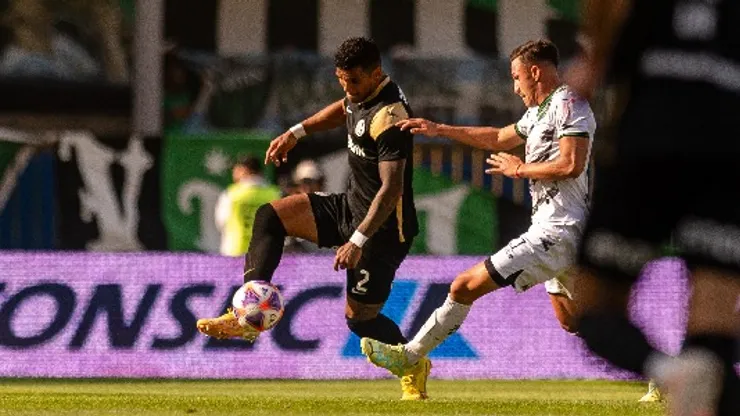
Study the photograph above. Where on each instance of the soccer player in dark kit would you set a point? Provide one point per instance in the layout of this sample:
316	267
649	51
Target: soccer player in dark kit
372	224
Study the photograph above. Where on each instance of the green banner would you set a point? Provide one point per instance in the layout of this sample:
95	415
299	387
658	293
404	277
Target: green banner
454	218
196	168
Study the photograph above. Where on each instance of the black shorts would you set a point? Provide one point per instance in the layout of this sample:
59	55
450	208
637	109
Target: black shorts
370	282
645	200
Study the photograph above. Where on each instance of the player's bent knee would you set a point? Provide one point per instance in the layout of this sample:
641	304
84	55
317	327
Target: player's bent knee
467	287
267	221
459	288
358	311
570	325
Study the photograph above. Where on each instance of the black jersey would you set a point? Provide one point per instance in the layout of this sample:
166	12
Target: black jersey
682	61
371	139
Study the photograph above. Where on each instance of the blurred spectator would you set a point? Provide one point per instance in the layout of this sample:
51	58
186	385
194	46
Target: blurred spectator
307	177
38	49
78	40
102	23
185	105
238	204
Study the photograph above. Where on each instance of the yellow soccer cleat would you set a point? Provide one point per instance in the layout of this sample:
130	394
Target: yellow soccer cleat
414	385
391	357
653	394
226	326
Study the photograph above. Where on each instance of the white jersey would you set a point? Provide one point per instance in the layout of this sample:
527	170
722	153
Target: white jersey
563	113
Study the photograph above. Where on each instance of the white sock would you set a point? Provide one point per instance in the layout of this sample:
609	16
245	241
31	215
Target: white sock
443	322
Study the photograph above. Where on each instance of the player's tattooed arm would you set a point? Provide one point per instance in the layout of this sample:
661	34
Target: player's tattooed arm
384	203
329	117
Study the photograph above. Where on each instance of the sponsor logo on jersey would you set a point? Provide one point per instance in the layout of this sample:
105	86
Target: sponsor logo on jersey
354	147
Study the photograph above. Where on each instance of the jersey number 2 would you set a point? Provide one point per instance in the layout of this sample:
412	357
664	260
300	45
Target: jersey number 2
360	288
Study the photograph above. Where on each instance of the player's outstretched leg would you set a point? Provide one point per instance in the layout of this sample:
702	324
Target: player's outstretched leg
443	322
265	251
401	359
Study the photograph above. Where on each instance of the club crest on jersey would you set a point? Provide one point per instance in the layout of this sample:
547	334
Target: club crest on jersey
360	128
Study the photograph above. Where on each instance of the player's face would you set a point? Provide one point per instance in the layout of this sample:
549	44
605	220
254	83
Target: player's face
524	81
358	83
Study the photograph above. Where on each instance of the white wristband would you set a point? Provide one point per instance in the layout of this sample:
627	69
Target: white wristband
298	131
358	239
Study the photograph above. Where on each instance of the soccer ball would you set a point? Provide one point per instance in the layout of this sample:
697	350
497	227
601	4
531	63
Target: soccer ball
258	304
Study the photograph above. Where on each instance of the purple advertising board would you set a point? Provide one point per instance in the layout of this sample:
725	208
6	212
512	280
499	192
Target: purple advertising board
133	315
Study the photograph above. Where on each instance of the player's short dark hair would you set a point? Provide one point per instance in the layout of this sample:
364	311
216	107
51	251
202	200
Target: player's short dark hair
537	51
251	163
357	52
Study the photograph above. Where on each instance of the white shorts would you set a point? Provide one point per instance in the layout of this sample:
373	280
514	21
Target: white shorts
540	255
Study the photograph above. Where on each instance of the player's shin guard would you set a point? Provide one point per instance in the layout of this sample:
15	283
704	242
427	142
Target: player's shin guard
613	337
380	328
266	246
725	348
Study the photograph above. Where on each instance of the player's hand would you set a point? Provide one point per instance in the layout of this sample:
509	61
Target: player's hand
503	164
419	126
347	256
277	153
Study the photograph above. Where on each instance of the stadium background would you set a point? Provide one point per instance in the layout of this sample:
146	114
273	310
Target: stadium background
106	211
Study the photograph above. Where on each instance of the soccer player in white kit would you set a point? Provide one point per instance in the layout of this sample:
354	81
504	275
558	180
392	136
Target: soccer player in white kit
557	130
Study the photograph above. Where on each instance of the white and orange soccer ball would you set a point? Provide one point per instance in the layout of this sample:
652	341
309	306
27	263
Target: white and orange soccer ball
258	304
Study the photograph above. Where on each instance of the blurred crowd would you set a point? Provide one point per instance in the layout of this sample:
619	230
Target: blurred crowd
73	40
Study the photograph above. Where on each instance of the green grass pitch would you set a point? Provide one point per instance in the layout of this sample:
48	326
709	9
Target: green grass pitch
41	397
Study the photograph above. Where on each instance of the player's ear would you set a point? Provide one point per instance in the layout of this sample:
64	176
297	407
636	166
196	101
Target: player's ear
377	72
535	72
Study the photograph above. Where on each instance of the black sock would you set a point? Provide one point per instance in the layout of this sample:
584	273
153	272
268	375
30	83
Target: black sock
266	246
725	348
613	337
380	328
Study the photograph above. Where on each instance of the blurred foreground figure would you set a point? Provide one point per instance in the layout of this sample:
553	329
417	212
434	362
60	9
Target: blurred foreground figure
673	172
